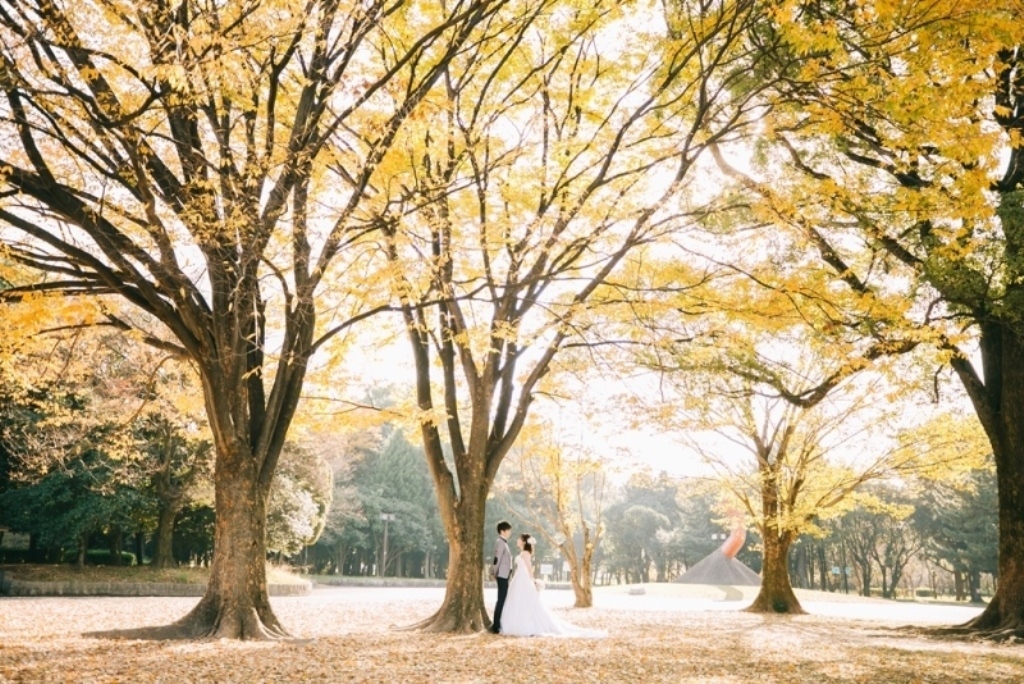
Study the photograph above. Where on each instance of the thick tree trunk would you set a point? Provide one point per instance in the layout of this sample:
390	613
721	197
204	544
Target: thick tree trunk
236	604
1004	616
1000	403
463	609
776	595
163	556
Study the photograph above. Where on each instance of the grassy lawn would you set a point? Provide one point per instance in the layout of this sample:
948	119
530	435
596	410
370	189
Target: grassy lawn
134	573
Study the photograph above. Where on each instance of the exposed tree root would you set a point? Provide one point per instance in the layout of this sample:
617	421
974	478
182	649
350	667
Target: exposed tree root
210	621
777	606
417	625
1011	631
446	622
180	632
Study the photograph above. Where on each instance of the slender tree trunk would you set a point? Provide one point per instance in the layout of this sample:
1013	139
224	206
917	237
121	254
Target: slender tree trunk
341	554
776	595
800	572
83	546
116	546
823	568
865	578
140	547
897	575
236	603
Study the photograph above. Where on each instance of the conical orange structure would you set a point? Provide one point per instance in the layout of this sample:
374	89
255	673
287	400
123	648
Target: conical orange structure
721	566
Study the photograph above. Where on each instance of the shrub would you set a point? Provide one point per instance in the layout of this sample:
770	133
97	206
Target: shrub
99	557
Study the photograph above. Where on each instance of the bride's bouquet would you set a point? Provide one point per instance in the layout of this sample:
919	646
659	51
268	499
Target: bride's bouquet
539	584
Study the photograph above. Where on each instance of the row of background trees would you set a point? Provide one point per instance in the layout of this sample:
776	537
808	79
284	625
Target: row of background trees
918	535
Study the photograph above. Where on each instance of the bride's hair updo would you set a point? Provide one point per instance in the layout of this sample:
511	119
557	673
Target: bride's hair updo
527	542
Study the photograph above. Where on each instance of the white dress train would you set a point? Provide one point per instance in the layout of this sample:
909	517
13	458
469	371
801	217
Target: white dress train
525	615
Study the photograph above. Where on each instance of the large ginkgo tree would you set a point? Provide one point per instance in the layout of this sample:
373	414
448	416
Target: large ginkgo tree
208	162
545	162
896	147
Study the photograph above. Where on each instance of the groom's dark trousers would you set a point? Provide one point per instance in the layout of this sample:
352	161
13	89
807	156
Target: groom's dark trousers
502	583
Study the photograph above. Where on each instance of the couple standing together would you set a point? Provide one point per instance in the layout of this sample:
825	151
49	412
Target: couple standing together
519	611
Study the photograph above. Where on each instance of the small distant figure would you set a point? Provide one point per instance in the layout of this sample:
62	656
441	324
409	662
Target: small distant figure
501	568
524	613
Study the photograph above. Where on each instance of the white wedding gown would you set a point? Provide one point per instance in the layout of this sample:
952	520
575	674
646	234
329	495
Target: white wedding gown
525	615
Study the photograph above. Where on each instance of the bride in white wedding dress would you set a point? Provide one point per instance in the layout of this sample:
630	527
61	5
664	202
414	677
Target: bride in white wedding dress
524	614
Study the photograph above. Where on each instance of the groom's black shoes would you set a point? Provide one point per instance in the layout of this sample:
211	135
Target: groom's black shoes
495	630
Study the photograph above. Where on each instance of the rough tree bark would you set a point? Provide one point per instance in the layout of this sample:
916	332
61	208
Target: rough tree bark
579	575
237	599
999	401
163	538
463	609
776	594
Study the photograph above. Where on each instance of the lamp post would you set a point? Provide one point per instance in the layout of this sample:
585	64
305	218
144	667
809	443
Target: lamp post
386	517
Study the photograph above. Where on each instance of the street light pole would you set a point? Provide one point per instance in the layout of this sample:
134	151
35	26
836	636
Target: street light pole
386	517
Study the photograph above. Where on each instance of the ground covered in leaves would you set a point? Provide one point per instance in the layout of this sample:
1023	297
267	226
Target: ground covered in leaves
671	633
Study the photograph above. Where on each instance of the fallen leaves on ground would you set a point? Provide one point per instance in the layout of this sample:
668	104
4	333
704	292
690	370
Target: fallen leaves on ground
347	634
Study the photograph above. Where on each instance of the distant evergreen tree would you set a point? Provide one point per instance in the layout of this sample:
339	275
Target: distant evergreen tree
959	523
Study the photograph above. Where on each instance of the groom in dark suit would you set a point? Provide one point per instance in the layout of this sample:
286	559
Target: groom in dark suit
500	570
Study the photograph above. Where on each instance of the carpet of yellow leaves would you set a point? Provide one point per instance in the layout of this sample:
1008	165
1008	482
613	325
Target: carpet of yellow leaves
346	634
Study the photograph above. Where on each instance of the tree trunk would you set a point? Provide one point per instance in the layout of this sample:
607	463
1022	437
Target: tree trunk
897	575
580	570
237	604
340	558
140	548
776	595
958	585
163	556
581	588
865	576
1000	404
974	583
823	568
800	573
116	546
83	546
463	609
